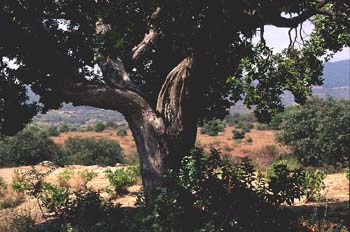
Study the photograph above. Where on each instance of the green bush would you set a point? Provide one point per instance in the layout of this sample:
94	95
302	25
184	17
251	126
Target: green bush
91	151
122	178
99	127
211	194
314	183
319	132
249	140
54	199
64	176
29	147
238	134
64	128
53	131
213	127
347	173
88	211
122	132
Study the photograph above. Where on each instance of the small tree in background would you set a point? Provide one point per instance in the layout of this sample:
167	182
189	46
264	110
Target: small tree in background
53	131
213	127
99	127
90	151
319	132
29	147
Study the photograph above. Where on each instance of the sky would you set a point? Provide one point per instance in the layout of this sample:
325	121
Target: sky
278	39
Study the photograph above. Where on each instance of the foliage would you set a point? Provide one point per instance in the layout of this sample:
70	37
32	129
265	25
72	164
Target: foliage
122	178
213	127
64	128
91	151
262	126
99	127
249	140
11	201
347	173
3	186
29	147
83	211
238	134
64	176
88	212
19	182
236	118
53	131
314	183
319	132
122	132
22	223
54	199
211	194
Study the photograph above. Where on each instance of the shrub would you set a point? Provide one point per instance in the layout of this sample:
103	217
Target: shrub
53	131
122	178
227	148
238	134
3	186
65	176
54	199
12	201
20	183
29	147
211	194
213	127
122	132
347	173
91	151
314	183
318	132
99	127
249	140
89	212
86	176
22	223
64	128
261	126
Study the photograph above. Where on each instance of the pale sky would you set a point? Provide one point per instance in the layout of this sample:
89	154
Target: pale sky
278	39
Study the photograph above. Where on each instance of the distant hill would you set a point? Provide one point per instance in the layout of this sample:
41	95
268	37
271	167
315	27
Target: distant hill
336	74
336	84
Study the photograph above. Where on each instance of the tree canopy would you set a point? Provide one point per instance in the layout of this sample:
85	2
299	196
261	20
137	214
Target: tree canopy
56	45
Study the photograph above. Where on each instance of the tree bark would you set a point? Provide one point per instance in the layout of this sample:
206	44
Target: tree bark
177	105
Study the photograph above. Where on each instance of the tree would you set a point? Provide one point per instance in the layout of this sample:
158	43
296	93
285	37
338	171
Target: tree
318	132
164	65
29	147
90	151
99	127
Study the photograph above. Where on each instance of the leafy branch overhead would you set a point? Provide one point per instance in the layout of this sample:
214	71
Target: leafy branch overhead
136	44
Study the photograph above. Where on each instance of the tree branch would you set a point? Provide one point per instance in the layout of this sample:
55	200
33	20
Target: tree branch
279	21
149	39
